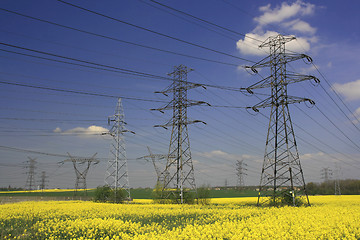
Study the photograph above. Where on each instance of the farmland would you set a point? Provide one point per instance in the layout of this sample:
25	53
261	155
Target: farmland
68	194
329	217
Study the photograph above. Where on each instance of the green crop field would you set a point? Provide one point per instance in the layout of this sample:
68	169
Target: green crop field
137	193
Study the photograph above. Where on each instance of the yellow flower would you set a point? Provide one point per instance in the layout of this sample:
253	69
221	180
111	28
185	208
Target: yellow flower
330	217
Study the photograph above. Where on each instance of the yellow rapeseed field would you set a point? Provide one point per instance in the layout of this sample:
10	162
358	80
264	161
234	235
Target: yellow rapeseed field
329	217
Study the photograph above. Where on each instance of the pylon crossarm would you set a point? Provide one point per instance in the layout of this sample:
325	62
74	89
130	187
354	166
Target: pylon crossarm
289	79
277	40
265	103
185	86
290	57
292	99
285	58
288	100
294	78
190	103
264	83
166	107
262	63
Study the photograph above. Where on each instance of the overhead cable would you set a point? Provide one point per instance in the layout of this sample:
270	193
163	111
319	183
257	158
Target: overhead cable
155	32
119	40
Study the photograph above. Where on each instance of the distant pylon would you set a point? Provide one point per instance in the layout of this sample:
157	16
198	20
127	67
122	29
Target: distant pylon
337	179
43	180
326	174
154	159
117	175
240	173
30	181
282	177
81	172
178	176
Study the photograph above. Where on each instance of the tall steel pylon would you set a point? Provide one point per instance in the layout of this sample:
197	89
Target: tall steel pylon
282	179
337	180
240	172
326	174
155	158
117	170
43	180
81	172
178	177
30	181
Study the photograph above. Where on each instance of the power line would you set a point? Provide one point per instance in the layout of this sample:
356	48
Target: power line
46	153
187	20
119	40
319	140
104	67
121	70
320	125
314	145
337	127
205	21
87	50
78	92
327	82
94	94
155	32
49	119
32	151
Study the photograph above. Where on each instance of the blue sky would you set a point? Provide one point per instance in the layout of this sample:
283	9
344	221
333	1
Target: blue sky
59	122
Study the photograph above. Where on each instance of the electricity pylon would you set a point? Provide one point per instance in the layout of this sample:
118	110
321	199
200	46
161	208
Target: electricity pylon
178	177
282	177
337	180
240	172
117	175
81	172
30	181
154	159
43	180
326	174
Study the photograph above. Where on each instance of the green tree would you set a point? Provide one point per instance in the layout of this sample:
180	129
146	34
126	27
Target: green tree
107	194
203	194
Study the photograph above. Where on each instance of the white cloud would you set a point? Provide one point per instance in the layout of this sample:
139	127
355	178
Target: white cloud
219	154
246	46
356	116
357	112
309	70
284	12
312	156
57	130
300	26
83	132
286	16
350	90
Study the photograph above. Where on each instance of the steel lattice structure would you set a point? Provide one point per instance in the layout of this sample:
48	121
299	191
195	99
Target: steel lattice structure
337	180
178	177
282	180
240	172
43	180
81	167
117	170
155	158
326	174
30	181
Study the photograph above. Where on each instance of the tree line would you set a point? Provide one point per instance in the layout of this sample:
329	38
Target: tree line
347	187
